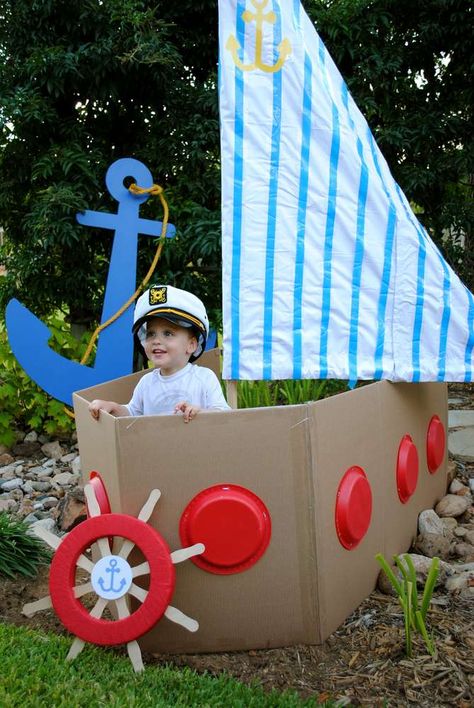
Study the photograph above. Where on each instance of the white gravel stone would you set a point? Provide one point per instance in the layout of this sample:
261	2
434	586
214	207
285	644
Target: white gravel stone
63	478
452	505
48	524
11	484
41	485
52	449
50	502
69	457
7	471
429	522
7	504
46	472
449	523
456	487
31	436
76	466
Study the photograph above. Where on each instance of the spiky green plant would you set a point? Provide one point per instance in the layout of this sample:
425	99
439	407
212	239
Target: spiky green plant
20	552
259	394
414	611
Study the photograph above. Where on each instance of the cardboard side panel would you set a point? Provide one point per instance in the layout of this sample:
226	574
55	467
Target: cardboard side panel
97	445
272	603
407	409
345	431
365	427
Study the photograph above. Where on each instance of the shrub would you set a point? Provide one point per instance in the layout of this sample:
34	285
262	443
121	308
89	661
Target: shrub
20	553
22	402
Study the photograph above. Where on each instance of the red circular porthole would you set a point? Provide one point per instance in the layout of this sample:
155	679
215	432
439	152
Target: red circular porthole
353	507
233	524
100	492
435	444
407	468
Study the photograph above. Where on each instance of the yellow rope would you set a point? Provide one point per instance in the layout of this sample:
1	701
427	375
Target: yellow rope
155	190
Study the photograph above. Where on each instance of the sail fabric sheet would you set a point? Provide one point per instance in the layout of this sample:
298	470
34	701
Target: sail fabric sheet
327	273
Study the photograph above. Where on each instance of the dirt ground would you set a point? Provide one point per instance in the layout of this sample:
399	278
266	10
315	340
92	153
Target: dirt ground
361	664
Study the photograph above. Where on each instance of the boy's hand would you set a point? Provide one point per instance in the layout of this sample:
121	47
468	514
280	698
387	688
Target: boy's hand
97	405
188	410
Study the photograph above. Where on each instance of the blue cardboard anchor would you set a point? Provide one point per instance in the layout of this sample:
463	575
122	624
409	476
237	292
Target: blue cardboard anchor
29	336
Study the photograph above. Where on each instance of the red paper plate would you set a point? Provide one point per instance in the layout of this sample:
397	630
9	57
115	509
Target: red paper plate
407	468
435	444
353	507
233	524
100	492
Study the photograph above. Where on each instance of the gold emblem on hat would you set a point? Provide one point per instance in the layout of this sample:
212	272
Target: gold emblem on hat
157	296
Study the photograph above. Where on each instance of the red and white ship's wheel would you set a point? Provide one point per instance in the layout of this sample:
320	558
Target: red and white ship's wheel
111	578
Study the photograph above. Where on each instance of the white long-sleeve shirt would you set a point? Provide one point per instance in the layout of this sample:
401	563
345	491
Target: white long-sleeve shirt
158	395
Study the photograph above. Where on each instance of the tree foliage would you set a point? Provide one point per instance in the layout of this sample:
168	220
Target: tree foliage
84	83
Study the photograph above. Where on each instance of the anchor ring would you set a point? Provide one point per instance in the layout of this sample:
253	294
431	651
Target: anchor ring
72	612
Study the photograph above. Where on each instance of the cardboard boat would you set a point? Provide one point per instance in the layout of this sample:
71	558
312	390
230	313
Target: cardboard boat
342	479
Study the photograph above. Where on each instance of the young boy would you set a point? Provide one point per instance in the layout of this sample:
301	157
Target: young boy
172	327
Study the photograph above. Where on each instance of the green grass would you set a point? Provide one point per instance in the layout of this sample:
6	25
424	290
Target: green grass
34	674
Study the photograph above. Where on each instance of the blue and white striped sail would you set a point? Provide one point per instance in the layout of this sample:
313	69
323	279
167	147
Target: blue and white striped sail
326	270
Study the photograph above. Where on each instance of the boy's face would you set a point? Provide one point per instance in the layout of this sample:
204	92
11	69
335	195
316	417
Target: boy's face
167	345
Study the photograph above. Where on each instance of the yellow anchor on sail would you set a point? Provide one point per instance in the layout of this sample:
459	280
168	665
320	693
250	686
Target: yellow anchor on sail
284	48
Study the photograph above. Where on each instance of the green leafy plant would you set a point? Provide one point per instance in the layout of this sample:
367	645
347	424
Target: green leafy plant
22	402
414	610
20	553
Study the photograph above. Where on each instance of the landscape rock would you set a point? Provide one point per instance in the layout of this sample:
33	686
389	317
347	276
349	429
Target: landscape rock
63	478
7	505
6	458
456	487
11	484
464	550
451	471
26	507
53	450
72	509
429	522
47	524
452	505
76	466
26	448
41	486
433	544
7	472
469	536
460	581
32	436
449	523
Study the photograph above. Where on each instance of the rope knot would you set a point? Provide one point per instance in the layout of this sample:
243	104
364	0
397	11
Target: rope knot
155	190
